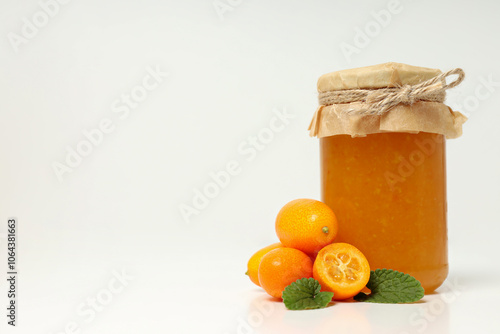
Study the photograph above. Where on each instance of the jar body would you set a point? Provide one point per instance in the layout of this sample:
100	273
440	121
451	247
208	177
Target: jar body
388	191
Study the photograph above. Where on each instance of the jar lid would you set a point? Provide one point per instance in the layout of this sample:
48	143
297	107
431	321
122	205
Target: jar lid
385	75
390	97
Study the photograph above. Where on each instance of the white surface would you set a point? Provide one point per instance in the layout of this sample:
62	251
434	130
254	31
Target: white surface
119	208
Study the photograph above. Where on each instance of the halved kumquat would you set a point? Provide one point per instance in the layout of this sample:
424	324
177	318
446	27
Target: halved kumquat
342	269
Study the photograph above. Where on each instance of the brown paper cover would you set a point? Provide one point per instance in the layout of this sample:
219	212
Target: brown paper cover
338	119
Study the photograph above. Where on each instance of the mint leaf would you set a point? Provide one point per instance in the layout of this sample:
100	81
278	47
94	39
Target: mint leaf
305	294
391	286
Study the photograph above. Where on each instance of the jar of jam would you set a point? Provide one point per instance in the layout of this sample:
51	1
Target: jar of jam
383	170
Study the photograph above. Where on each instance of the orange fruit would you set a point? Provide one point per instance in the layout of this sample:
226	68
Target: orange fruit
281	267
254	262
342	269
307	225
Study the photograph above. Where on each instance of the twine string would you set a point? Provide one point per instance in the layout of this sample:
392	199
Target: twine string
379	101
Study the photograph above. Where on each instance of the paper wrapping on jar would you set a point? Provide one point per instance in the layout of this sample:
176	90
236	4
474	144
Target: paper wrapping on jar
432	117
348	118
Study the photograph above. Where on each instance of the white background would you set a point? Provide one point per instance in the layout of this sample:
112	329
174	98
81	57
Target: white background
118	209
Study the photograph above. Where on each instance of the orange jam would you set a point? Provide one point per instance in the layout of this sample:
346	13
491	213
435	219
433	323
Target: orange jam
388	191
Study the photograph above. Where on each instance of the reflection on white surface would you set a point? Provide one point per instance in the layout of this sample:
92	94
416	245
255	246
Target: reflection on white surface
466	303
430	315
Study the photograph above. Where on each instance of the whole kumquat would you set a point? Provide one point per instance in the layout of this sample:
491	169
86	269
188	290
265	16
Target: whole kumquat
254	262
307	225
281	267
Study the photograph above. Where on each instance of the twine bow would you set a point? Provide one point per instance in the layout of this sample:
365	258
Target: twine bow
379	101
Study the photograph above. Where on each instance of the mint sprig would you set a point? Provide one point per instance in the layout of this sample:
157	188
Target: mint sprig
305	294
391	286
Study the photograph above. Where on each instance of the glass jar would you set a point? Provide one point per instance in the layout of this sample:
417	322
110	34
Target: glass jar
388	191
384	175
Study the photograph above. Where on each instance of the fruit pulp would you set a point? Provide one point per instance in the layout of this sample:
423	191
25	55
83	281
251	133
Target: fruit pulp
388	191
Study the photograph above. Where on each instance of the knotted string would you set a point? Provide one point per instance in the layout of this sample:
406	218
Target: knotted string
379	101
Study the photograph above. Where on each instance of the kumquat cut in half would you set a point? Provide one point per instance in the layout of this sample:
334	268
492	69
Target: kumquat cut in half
342	269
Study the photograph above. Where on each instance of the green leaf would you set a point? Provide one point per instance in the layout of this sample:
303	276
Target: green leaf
305	294
391	286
